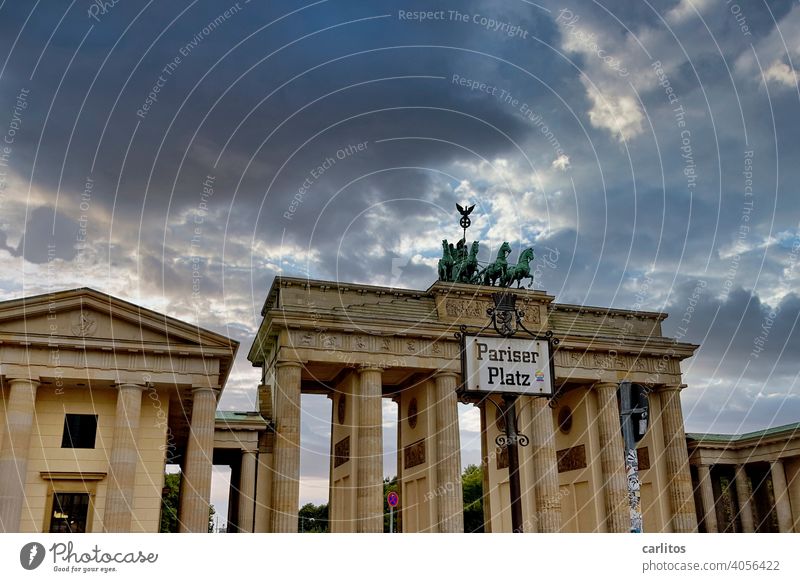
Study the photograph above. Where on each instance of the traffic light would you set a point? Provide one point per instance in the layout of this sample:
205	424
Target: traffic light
640	415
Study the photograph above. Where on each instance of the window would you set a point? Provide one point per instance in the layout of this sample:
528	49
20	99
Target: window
69	512
79	431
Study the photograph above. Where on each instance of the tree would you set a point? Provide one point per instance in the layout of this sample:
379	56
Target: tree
170	500
313	518
472	486
169	503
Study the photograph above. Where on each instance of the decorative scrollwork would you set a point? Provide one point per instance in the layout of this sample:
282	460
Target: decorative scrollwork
503	440
462	329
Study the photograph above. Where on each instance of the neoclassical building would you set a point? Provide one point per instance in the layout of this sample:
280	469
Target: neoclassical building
748	482
361	344
98	395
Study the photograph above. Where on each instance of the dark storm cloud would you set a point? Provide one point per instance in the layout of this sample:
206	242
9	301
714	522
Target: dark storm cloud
49	235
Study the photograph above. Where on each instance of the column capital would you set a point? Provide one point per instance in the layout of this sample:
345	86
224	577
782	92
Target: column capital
602	384
370	368
214	391
445	374
289	364
27	379
120	385
249	451
671	387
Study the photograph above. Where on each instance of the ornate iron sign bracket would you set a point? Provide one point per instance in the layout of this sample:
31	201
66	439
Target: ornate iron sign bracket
507	320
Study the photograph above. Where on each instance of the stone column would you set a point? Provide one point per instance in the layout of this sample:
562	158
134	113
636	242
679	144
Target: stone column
545	467
781	492
744	495
286	455
369	478
684	518
247	491
448	455
196	482
17	429
612	459
124	458
707	494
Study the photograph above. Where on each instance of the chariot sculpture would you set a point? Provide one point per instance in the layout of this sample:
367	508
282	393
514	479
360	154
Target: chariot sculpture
460	264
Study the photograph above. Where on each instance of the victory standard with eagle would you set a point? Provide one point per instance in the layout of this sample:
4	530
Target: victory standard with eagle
459	265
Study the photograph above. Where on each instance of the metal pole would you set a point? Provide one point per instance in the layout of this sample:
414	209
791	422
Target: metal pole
391	519
631	459
510	415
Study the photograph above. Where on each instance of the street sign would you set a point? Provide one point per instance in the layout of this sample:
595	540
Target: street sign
509	365
392	499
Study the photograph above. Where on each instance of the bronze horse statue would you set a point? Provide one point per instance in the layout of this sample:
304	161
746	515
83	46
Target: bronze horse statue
467	268
520	271
498	270
446	262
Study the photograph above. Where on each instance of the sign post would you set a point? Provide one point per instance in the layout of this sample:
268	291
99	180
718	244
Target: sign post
392	499
509	367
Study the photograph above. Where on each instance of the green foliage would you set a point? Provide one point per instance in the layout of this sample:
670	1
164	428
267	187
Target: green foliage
170	500
169	503
472	486
313	518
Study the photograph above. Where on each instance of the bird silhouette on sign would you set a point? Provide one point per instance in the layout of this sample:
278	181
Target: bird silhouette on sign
465	221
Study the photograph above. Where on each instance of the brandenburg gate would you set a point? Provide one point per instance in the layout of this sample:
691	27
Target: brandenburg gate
358	344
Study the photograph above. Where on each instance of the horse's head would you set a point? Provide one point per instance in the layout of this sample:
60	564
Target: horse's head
474	249
526	256
505	250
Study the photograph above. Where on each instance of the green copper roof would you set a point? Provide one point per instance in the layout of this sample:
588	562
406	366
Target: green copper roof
735	438
237	417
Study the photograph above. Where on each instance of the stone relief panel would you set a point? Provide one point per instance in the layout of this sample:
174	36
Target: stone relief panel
341	452
571	459
476	309
608	360
414	454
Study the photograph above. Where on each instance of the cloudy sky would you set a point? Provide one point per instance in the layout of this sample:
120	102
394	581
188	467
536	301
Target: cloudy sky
650	148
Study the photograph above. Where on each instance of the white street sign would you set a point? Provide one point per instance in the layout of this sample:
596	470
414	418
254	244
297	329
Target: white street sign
512	365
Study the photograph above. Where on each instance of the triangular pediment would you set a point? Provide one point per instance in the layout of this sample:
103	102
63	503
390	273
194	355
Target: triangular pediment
86	314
